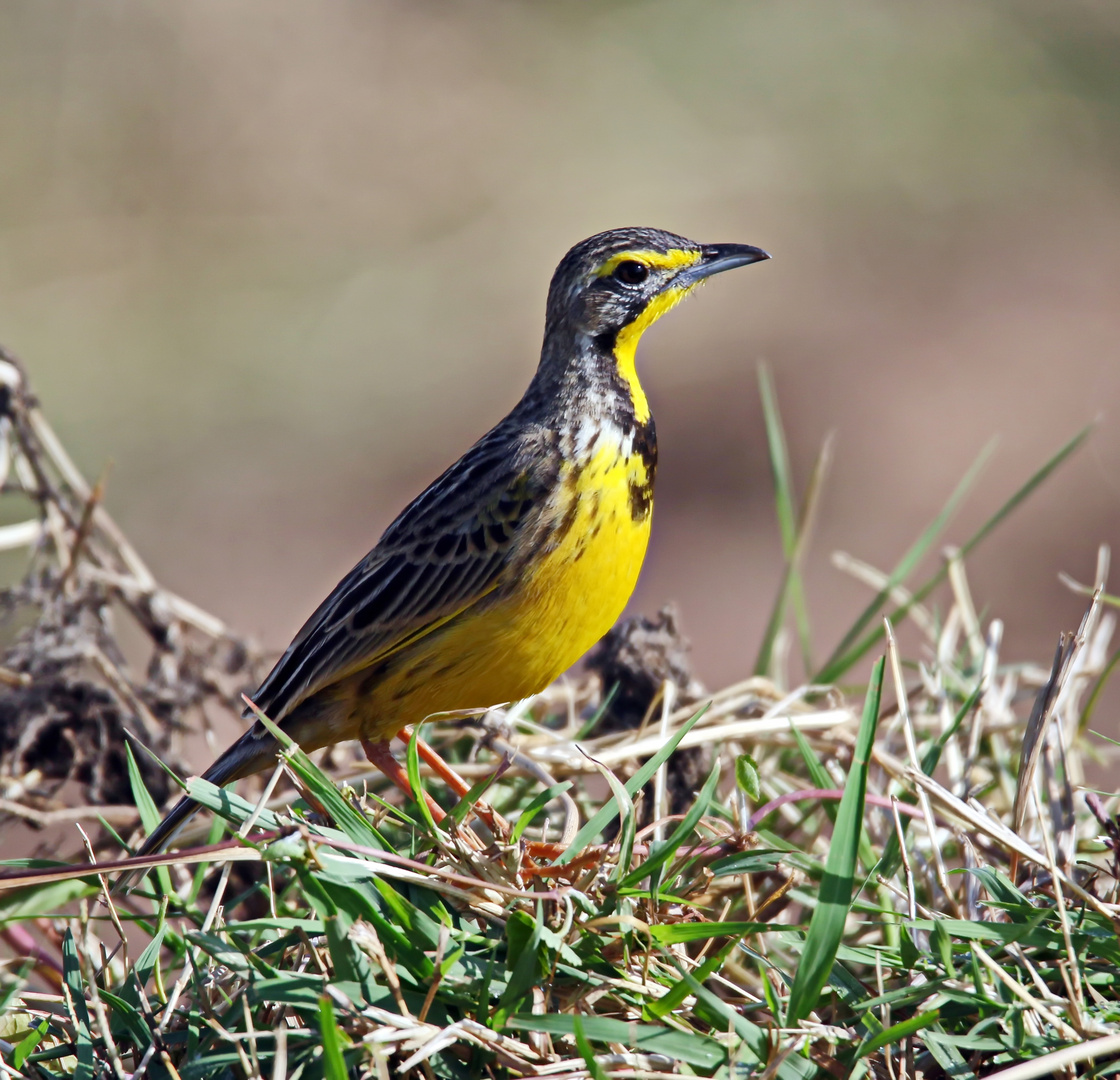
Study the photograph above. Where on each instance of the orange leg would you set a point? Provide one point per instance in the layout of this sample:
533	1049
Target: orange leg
498	825
380	755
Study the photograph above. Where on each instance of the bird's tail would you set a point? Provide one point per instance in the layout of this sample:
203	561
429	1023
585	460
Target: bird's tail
252	753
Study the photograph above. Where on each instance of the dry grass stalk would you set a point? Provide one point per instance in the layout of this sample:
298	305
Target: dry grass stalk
375	941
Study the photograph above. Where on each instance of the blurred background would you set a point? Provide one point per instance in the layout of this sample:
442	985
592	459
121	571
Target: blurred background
281	261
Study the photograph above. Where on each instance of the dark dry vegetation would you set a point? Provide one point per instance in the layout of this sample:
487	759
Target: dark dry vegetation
900	879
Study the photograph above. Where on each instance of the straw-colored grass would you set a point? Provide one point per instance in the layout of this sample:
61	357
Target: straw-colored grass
901	880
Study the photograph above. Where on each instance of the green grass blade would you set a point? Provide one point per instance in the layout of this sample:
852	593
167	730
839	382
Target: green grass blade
463	807
756	861
346	817
114	835
482	1006
947	1055
27	1044
897	1032
805	524
169	772
228	804
627	823
586	1052
827	924
791	591
822	779
350	963
1098	689
751	1034
785	504
831	669
143	968
678	933
642	777
681	833
842	661
149	813
770	993
9	992
126	1017
755	1043
680	990
412	767
593	720
150	816
785	501
818	774
72	976
646	1038
38	901
1020	496
334	1065
536	806
523	934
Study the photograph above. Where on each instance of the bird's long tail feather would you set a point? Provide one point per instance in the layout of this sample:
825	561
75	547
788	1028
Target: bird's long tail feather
252	753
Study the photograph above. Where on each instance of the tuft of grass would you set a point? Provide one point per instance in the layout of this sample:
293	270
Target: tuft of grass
826	929
910	890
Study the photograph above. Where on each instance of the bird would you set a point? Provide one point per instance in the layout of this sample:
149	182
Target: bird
509	566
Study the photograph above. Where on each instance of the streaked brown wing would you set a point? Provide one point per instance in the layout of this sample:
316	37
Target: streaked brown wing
442	554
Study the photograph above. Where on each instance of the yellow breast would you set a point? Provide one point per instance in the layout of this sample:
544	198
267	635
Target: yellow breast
570	590
580	587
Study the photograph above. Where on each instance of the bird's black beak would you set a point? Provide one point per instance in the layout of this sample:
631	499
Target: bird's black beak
715	258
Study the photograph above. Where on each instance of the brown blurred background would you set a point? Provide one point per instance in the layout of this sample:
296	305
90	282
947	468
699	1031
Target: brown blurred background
280	261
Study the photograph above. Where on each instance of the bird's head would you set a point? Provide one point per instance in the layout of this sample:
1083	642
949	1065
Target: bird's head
613	286
617	283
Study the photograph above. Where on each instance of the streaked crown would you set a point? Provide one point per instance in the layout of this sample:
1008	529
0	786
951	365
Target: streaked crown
608	281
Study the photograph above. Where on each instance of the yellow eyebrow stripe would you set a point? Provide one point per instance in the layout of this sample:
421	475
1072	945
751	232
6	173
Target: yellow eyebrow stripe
673	259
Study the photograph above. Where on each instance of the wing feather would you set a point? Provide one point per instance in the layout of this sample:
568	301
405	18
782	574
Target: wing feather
441	555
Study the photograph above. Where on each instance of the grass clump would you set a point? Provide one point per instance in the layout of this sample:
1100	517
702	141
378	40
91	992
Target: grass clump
902	881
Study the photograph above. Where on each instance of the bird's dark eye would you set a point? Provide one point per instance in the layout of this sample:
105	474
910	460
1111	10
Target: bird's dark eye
631	272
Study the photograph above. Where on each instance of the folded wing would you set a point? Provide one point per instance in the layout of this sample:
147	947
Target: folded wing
445	552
